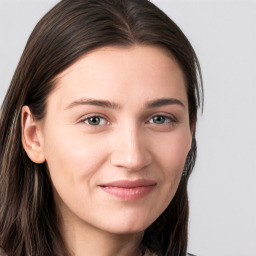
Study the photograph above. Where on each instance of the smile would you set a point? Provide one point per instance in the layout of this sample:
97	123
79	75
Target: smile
129	190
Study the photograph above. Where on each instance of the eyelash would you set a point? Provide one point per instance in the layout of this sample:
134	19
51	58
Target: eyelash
168	120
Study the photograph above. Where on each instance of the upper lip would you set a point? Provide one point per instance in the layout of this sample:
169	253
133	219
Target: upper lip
129	183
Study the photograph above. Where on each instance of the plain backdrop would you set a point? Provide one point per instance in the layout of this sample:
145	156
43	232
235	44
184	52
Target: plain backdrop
222	189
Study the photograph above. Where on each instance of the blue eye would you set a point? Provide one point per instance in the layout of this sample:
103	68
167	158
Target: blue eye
95	120
160	119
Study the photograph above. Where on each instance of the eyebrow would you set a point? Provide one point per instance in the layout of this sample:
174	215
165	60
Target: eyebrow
94	102
163	102
112	105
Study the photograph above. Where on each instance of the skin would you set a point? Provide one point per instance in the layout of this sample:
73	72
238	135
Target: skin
125	141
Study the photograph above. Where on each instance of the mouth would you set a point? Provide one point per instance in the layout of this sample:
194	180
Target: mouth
129	190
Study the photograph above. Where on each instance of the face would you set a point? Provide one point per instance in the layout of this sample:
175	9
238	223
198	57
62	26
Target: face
115	137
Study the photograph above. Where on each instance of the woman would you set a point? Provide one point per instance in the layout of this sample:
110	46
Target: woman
98	134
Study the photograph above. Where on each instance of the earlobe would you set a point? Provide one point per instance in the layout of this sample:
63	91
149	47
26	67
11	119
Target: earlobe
32	139
193	131
193	127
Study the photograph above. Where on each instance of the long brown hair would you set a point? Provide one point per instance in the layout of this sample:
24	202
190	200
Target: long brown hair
28	219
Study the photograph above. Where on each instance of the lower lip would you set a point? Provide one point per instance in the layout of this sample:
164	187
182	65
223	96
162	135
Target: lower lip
128	193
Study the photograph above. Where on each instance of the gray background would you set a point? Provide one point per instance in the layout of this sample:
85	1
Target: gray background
223	186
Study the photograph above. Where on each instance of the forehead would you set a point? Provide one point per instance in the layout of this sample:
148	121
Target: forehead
119	74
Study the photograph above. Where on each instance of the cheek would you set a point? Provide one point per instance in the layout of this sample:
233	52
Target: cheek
174	149
72	159
179	149
172	157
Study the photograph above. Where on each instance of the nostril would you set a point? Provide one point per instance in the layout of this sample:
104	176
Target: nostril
133	161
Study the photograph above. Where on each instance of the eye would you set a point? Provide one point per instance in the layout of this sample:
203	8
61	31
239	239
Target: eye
95	120
161	119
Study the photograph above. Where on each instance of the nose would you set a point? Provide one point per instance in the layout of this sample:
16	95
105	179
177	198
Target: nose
130	149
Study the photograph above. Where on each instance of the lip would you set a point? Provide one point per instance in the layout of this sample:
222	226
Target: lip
129	190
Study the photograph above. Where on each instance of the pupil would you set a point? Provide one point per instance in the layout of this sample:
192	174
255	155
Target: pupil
94	120
159	119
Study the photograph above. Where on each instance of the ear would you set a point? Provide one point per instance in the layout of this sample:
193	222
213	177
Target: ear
32	139
193	126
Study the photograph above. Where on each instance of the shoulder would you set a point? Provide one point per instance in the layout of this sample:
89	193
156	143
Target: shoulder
149	252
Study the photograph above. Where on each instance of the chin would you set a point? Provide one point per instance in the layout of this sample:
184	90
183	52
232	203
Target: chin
129	231
130	226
